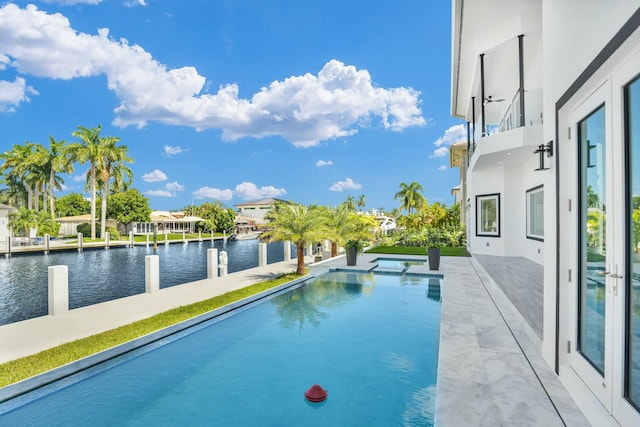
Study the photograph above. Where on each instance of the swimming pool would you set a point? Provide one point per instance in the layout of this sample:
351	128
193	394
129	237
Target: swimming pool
370	339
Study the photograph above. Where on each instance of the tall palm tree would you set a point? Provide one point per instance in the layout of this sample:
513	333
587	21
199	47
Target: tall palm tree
54	160
88	150
296	223
110	164
350	203
15	193
411	197
362	201
17	166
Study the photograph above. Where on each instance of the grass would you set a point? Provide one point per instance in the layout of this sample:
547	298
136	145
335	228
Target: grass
20	369
418	250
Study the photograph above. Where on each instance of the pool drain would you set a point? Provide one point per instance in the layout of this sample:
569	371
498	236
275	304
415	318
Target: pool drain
315	393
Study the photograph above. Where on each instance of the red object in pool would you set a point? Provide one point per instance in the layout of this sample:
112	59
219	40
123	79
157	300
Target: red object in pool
315	394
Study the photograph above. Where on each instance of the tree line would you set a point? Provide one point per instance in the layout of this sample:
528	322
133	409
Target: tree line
32	172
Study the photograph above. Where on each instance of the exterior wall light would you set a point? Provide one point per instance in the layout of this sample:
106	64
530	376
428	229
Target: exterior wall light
544	148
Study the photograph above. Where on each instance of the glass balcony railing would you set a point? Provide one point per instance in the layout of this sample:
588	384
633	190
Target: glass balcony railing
532	108
511	117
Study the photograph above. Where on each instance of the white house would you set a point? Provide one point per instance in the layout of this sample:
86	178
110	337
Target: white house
166	222
254	211
5	211
550	93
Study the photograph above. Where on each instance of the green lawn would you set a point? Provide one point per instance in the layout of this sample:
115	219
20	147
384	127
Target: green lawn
29	366
417	250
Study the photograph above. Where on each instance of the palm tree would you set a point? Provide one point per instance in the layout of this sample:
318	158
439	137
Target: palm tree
362	201
88	150
296	223
338	226
15	194
411	196
23	219
17	167
110	164
350	203
54	161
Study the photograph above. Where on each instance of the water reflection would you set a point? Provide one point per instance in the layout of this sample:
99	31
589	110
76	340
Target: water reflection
310	303
433	291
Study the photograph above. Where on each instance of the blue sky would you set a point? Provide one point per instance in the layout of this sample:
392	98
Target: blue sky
236	100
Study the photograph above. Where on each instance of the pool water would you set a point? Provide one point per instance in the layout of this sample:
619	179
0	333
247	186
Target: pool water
370	339
397	263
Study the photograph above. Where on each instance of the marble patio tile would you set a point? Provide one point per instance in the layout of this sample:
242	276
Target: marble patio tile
469	408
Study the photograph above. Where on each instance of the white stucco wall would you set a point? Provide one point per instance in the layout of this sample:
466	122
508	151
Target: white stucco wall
567	52
4	228
487	181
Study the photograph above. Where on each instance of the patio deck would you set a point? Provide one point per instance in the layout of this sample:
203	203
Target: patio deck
521	281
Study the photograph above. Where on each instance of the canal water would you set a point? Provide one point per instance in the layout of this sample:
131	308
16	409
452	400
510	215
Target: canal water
99	275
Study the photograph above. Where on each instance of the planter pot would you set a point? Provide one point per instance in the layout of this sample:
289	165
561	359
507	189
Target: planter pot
352	254
433	255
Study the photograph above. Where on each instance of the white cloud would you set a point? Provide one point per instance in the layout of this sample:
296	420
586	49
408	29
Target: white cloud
81	177
304	109
212	193
174	186
134	3
160	193
324	163
13	93
442	168
347	184
440	152
452	135
172	151
169	189
248	191
71	2
154	176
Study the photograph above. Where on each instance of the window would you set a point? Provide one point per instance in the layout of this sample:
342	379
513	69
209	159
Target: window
488	215
535	213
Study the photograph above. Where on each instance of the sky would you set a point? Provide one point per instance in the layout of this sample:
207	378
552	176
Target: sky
239	100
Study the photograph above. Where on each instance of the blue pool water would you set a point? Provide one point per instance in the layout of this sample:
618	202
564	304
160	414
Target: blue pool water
371	340
100	275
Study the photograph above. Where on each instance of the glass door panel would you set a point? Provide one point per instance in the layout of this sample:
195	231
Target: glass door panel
632	285
592	239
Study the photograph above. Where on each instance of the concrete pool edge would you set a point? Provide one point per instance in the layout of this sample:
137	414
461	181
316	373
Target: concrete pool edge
30	384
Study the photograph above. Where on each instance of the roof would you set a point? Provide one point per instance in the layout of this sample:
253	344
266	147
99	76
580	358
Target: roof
75	218
79	218
166	216
262	202
7	207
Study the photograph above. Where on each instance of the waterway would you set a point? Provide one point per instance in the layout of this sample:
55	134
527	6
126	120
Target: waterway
100	275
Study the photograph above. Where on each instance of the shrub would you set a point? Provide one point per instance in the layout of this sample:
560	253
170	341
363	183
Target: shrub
85	229
114	234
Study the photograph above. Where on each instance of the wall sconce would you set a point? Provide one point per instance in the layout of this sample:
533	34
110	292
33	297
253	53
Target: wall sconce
544	148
